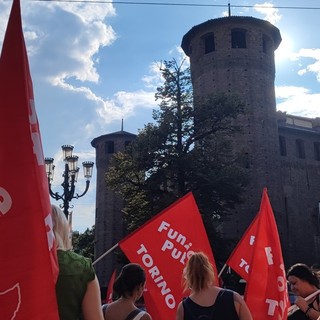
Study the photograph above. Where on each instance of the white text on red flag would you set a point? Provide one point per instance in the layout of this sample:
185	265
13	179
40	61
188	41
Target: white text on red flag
266	291
162	246
28	265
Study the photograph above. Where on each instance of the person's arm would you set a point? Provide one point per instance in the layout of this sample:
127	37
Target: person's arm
311	312
179	314
146	316
241	307
91	303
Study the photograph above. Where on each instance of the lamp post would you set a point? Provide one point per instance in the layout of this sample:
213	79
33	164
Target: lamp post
70	177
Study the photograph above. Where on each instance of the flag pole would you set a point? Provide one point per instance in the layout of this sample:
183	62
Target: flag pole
292	309
221	271
103	255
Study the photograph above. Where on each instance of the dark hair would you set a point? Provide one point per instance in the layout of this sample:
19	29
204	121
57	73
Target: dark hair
303	272
131	276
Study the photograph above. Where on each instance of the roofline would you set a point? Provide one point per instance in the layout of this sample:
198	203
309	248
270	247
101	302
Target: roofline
202	26
96	140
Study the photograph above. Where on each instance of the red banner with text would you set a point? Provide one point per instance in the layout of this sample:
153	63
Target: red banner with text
241	257
162	246
266	291
28	265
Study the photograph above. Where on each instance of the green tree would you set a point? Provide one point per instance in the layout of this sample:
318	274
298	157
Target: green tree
185	149
83	243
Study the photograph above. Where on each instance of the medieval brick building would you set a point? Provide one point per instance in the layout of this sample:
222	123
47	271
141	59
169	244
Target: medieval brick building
281	152
109	226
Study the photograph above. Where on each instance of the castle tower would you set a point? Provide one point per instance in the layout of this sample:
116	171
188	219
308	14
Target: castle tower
236	55
109	227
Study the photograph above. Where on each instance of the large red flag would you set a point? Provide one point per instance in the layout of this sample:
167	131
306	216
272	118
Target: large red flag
162	246
28	267
240	258
266	291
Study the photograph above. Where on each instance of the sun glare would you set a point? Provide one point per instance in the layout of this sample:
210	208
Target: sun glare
285	49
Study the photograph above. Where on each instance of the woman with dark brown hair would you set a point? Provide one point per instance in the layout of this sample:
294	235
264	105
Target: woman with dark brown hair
129	287
304	282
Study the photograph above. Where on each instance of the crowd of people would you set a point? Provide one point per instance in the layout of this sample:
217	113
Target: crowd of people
78	291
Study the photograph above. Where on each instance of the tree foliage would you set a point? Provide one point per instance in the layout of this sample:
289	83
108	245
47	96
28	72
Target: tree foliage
185	149
83	243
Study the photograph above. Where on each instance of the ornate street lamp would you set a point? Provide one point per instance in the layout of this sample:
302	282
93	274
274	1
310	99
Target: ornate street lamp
70	177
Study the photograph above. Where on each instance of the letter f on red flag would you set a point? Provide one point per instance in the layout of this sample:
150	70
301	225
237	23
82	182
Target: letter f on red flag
28	265
266	291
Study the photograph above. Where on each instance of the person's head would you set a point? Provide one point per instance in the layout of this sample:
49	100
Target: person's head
198	273
130	282
302	279
61	229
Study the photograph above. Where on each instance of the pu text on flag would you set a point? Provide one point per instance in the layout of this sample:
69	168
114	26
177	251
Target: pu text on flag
162	246
28	265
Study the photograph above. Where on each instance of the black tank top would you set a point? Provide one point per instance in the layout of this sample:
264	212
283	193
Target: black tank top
222	309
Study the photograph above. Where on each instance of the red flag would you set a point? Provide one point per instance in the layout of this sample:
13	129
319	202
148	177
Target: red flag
162	246
241	257
266	291
110	288
28	265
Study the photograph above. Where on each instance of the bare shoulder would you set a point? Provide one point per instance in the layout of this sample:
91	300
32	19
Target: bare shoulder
180	312
241	307
146	316
237	297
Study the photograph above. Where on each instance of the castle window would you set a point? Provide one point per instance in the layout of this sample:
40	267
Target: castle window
238	38
316	151
109	147
126	143
209	45
283	146
300	149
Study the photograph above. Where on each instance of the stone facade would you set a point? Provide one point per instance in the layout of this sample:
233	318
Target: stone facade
109	226
300	177
236	55
280	151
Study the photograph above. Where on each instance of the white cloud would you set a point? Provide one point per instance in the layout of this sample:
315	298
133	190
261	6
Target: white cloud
298	101
64	38
125	103
270	13
153	80
314	66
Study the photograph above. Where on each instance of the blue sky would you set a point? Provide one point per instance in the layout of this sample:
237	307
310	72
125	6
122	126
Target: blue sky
93	64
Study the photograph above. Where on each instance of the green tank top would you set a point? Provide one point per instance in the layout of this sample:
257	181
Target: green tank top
75	271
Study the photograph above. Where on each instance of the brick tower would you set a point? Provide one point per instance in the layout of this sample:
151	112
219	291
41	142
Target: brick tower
109	227
236	55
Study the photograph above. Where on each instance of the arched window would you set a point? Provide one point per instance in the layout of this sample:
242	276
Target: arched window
238	38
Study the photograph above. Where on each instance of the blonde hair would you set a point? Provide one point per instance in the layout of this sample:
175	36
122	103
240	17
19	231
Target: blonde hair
61	229
198	273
